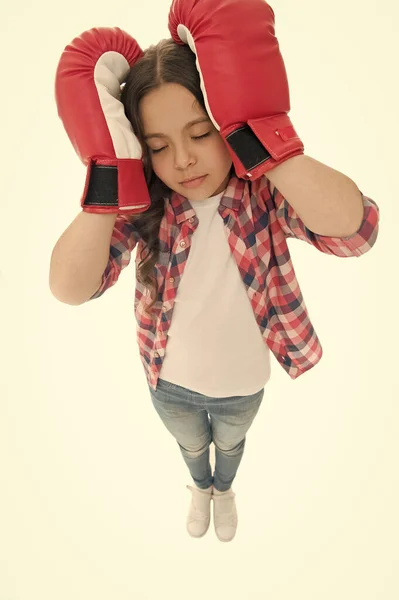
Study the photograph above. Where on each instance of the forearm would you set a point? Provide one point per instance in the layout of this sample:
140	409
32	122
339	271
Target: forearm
80	256
327	201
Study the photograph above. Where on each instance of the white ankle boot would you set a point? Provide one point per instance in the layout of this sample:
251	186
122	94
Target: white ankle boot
199	514
225	515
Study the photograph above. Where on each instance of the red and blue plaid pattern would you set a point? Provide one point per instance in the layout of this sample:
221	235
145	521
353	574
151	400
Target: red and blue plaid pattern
257	225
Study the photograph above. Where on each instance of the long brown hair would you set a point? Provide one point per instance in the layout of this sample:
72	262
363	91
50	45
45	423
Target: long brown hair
165	62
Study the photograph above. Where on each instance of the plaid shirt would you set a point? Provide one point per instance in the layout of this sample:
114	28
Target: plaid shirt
257	224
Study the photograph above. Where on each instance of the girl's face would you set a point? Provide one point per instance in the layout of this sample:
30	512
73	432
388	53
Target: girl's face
178	151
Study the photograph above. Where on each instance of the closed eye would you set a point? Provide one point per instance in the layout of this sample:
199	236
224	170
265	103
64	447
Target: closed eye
199	137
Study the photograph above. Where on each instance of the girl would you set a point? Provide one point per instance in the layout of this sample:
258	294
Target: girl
205	337
162	97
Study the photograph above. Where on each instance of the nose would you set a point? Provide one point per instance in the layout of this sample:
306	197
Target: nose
183	158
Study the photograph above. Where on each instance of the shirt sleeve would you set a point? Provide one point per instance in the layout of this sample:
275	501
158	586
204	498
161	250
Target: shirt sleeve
354	245
123	241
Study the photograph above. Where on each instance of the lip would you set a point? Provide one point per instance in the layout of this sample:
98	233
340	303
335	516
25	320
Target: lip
194	182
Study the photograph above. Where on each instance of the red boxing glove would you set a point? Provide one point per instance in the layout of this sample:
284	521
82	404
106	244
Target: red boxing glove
243	79
87	91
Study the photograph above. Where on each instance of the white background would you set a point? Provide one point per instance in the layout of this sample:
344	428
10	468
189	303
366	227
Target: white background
93	501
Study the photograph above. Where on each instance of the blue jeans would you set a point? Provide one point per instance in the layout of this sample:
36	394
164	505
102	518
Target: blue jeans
185	415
